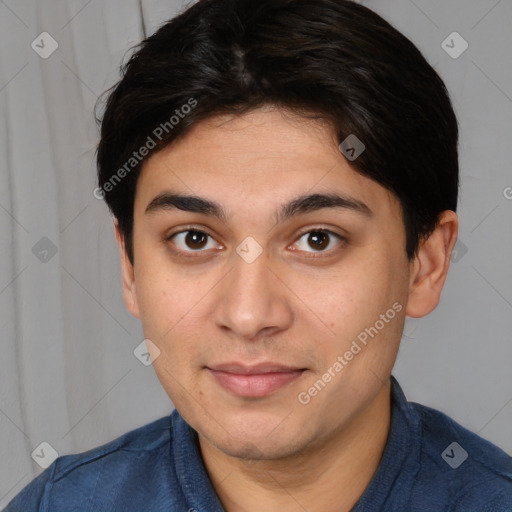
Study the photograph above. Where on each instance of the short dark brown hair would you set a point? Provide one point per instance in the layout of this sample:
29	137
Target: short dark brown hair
333	60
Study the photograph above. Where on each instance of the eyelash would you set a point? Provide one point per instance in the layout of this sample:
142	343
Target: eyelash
309	254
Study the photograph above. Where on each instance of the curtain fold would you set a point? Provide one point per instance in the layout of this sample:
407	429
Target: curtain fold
68	374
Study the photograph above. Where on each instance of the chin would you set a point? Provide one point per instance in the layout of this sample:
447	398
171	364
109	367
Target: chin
259	449
257	442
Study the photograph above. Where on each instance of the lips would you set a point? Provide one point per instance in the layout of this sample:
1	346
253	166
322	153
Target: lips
254	381
261	368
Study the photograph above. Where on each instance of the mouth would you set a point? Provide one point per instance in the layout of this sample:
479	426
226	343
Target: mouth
254	381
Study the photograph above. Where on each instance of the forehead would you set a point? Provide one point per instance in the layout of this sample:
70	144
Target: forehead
256	161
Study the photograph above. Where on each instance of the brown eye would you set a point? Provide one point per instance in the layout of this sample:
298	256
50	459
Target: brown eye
318	240
196	239
193	240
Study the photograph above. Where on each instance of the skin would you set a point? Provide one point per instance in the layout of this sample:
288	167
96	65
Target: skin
297	304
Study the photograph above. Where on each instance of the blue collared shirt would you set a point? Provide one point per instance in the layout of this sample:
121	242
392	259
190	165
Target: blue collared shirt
430	464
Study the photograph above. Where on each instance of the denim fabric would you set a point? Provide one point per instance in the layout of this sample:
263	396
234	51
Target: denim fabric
158	467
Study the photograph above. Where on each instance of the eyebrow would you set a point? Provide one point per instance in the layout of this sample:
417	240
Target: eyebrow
301	205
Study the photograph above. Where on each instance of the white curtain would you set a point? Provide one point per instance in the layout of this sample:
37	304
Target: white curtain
68	375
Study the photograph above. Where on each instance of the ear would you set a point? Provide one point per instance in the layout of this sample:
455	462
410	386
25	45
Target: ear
430	266
128	275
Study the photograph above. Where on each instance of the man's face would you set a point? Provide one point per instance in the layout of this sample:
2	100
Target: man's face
207	297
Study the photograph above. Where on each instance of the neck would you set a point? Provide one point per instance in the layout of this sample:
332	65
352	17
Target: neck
329	477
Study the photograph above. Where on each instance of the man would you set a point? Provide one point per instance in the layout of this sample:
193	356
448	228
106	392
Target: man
283	176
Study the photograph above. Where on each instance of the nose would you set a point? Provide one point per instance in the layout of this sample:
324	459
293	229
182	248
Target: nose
252	302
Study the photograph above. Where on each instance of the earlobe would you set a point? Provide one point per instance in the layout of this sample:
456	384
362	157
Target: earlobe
128	274
430	266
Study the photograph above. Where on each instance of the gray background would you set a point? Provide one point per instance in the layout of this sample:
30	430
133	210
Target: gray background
68	375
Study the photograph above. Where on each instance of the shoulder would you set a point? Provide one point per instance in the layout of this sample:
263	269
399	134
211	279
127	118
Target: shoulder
476	474
142	443
104	474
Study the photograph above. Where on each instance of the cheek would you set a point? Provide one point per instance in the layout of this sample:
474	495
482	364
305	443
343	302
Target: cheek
169	315
340	298
174	309
352	298
164	292
165	299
